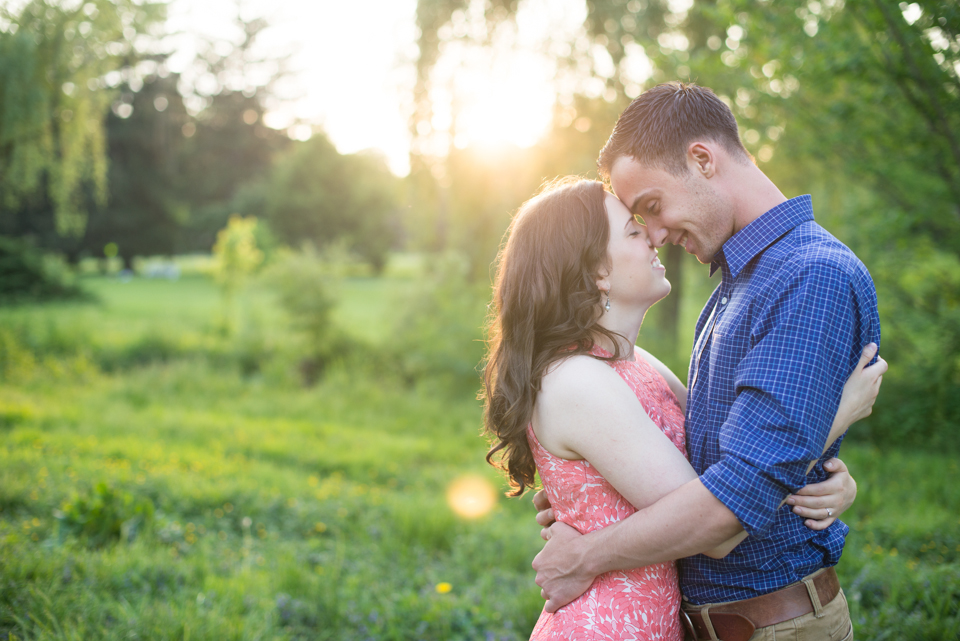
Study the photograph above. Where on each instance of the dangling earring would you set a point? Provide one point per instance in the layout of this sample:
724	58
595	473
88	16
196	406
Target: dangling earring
606	305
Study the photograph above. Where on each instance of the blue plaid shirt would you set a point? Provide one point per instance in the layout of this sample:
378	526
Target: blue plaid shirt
774	346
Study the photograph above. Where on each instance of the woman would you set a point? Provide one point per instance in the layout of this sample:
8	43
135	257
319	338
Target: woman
568	394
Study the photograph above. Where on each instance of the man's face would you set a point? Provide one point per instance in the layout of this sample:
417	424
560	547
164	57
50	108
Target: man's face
682	210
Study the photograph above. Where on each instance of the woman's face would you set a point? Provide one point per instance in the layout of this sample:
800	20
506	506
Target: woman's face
633	274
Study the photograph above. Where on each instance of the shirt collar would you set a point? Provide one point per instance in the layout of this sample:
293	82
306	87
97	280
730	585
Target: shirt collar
743	246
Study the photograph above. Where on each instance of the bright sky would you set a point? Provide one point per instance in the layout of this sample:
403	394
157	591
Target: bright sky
348	61
353	71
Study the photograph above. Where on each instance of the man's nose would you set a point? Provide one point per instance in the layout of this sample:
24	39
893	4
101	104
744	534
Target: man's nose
658	235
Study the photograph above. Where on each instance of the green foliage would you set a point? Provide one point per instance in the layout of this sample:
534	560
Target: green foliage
149	195
439	332
304	282
53	58
856	102
104	516
236	252
919	293
314	193
236	256
27	273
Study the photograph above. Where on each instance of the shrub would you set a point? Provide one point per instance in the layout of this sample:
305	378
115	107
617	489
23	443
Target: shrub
105	516
303	282
439	335
26	274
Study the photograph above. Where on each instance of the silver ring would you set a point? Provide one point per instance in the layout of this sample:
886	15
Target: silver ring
829	512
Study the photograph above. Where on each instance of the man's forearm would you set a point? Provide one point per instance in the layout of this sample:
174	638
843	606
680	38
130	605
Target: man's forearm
688	521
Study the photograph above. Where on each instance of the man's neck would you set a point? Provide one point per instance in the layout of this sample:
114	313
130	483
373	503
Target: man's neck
753	195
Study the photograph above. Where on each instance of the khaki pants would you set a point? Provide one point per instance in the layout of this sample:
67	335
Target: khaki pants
833	625
830	623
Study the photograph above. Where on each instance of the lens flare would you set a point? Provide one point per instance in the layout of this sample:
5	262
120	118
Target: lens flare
471	496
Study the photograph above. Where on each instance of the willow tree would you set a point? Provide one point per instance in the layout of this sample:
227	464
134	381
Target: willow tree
59	65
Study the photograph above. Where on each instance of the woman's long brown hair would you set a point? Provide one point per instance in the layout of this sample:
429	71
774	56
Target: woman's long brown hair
545	307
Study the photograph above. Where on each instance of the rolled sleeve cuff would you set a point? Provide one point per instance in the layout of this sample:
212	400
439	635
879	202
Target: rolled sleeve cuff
752	498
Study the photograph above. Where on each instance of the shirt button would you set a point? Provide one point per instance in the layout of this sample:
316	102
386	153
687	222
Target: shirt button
723	301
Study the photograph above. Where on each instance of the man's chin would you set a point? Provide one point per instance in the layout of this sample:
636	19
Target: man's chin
705	260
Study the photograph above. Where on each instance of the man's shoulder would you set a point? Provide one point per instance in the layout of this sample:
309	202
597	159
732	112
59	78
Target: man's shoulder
809	250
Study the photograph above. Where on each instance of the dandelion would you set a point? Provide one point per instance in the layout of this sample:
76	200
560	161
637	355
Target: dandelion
443	587
320	527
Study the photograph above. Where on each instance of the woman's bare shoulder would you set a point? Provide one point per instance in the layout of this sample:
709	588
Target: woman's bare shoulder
580	383
577	372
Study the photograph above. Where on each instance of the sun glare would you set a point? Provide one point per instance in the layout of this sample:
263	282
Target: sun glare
471	496
508	103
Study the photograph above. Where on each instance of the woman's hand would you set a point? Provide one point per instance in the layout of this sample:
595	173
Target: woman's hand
822	503
861	389
859	395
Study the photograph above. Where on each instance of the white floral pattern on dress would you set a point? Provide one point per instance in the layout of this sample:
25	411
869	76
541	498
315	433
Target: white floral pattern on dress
641	604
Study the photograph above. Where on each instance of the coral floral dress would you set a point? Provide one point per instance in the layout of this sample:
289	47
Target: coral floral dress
638	604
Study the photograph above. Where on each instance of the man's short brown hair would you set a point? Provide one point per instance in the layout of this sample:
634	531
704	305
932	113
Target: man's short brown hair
659	124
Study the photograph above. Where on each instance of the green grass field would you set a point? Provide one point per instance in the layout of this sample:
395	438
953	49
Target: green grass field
151	487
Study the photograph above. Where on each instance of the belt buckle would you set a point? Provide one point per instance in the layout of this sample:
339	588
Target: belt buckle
688	624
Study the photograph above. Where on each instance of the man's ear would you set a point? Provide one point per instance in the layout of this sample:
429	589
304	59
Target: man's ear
702	159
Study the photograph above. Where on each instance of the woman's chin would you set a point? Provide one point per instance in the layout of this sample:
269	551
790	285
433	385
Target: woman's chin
662	292
667	288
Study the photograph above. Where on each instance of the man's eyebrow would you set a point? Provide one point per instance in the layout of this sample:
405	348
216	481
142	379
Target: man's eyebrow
636	201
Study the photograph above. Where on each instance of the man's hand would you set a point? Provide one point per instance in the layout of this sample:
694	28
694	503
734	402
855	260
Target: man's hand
545	516
823	503
559	567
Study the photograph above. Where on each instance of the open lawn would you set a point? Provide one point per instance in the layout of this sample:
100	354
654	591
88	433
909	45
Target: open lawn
152	486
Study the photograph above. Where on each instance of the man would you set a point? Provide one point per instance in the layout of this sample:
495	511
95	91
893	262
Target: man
773	348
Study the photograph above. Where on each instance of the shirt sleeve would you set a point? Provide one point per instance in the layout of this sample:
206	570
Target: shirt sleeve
788	389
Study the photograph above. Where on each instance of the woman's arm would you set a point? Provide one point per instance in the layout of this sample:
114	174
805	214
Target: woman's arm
586	411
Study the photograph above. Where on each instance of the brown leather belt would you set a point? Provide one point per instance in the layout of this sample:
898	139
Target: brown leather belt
737	620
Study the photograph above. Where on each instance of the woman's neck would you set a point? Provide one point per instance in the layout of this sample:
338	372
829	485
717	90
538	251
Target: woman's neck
626	324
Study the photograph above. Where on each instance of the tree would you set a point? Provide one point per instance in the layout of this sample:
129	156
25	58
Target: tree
228	144
858	102
313	193
148	181
59	64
